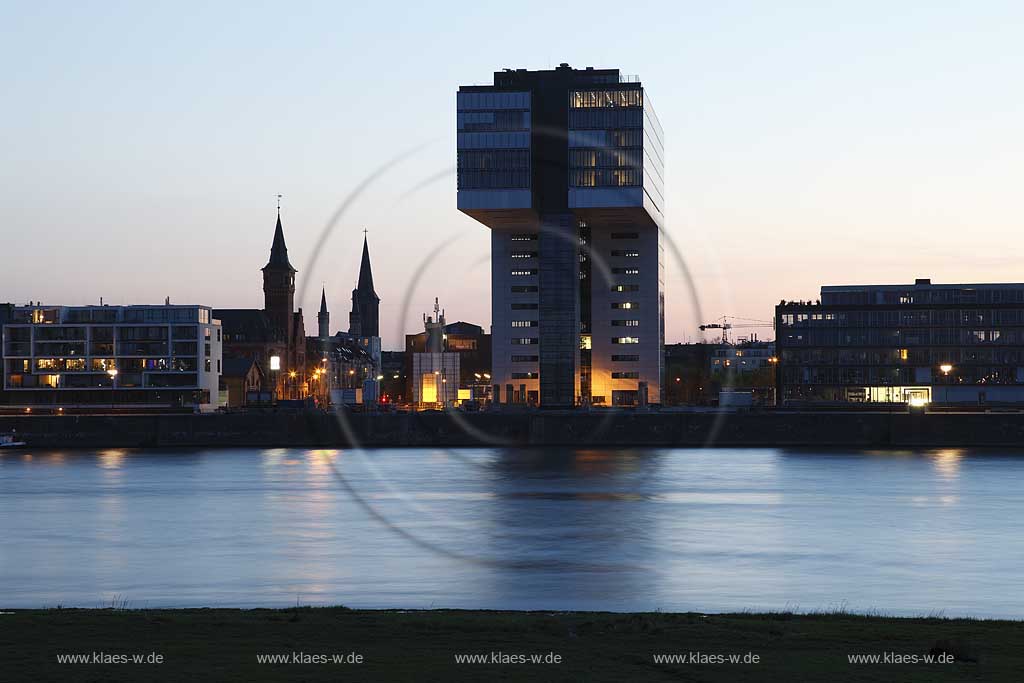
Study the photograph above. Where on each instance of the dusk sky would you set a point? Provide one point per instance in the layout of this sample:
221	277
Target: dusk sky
817	143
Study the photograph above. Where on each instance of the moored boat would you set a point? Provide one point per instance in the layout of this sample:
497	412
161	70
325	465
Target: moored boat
10	440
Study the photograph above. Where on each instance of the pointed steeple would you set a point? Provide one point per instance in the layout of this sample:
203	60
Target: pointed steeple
365	284
323	318
279	251
364	320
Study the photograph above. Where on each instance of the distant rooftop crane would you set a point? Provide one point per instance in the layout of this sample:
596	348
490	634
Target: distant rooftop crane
725	325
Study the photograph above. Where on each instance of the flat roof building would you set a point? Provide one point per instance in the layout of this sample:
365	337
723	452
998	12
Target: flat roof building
111	357
954	344
565	166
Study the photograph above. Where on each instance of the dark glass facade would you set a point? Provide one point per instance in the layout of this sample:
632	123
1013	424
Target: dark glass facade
944	344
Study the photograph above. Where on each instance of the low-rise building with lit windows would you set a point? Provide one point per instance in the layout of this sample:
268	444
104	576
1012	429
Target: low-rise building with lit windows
124	357
947	344
743	357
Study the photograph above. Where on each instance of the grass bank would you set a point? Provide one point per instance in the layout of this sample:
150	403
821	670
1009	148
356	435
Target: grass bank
225	644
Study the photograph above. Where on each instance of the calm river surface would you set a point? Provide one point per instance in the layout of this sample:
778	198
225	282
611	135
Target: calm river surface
910	532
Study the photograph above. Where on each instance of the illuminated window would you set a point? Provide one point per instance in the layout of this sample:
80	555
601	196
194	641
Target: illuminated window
625	340
625	305
524	323
523	273
524	254
625	288
625	271
593	99
524	237
904	354
524	375
585	342
626	253
525	340
625	323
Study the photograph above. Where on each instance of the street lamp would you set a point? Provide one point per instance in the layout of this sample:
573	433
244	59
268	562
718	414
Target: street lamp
113	382
946	369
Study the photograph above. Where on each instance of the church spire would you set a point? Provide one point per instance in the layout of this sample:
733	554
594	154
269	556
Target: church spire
365	284
279	251
323	318
364	320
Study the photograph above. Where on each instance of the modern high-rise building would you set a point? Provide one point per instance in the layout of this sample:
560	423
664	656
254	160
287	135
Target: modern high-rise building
565	166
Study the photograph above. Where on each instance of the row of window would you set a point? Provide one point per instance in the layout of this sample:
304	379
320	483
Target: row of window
626	375
492	99
493	180
926	357
625	340
524	323
491	140
590	99
523	289
974	374
524	272
625	323
494	160
524	359
625	288
625	253
523	254
524	237
524	375
628	157
625	305
501	120
625	271
604	139
623	177
600	118
524	307
900	338
927	296
920	318
65	333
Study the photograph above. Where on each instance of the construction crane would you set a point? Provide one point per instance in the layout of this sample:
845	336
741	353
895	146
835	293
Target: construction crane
725	325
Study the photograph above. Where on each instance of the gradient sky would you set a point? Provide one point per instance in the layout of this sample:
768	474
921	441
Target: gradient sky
816	143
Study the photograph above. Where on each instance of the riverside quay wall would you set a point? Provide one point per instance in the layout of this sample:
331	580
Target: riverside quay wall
572	429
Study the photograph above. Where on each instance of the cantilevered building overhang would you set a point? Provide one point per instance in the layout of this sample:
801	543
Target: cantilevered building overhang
565	166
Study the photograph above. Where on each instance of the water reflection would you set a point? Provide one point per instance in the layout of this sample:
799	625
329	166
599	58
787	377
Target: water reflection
947	462
902	531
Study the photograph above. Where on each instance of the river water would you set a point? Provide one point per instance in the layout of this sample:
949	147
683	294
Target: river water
899	532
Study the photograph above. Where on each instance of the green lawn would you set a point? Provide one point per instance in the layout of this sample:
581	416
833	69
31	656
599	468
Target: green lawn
219	644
